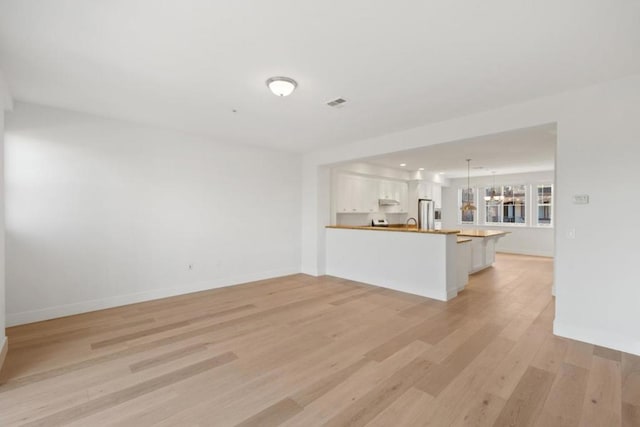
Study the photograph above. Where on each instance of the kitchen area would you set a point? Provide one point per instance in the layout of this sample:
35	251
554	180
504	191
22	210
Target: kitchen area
424	220
387	231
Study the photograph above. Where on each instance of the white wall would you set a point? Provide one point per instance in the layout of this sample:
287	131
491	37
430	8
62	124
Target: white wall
597	154
103	213
524	240
2	237
5	104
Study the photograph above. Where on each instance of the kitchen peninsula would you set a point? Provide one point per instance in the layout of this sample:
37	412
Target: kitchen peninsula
420	262
483	247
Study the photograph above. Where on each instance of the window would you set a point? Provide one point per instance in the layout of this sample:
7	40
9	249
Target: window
545	199
493	205
506	204
513	205
467	196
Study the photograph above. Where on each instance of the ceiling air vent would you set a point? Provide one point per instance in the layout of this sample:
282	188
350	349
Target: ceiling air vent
336	102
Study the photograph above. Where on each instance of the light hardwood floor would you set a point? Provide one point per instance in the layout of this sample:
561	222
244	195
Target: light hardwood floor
304	351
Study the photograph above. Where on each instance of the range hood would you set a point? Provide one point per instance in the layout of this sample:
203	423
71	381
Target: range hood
388	202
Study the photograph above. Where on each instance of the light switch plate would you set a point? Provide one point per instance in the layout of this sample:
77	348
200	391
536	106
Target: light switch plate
581	199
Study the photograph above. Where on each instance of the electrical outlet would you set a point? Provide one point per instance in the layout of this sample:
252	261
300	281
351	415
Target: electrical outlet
571	234
190	266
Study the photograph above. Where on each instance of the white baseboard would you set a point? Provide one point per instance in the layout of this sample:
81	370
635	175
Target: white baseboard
524	252
598	337
38	315
4	348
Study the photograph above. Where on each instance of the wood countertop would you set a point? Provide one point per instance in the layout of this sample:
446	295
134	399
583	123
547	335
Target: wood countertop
394	227
464	239
482	233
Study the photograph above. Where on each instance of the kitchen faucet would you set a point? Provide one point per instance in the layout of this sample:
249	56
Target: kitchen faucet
415	221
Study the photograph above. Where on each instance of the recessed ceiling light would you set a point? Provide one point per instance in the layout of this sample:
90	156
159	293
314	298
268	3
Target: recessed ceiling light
403	164
281	86
441	173
420	169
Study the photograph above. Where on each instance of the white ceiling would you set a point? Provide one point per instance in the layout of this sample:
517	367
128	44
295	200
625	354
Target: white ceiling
524	150
187	64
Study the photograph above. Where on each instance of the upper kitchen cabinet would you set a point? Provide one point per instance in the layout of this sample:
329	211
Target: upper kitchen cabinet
356	194
360	194
394	190
430	190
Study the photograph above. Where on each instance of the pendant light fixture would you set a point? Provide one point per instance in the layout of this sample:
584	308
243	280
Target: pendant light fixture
494	198
468	206
282	86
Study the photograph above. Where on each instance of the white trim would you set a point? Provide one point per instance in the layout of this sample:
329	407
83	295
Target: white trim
598	337
537	205
507	224
4	349
23	317
525	252
453	293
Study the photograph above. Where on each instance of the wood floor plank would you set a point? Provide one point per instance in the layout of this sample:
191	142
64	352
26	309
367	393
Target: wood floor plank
527	400
376	400
579	354
358	385
630	415
321	387
507	376
563	406
483	411
65	336
351	298
631	379
461	395
306	351
274	415
441	375
603	400
139	334
113	399
607	353
166	357
397	342
551	353
245	320
405	410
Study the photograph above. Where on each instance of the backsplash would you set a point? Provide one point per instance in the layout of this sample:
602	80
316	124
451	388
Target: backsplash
366	218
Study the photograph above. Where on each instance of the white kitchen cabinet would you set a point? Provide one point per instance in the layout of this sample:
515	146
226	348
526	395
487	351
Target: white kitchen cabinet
394	190
356	194
385	189
402	194
437	195
430	190
369	195
360	194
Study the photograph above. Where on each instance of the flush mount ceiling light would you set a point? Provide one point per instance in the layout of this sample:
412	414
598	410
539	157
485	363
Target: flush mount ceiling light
281	86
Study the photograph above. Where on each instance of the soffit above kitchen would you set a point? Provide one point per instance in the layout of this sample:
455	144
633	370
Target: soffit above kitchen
519	151
201	66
